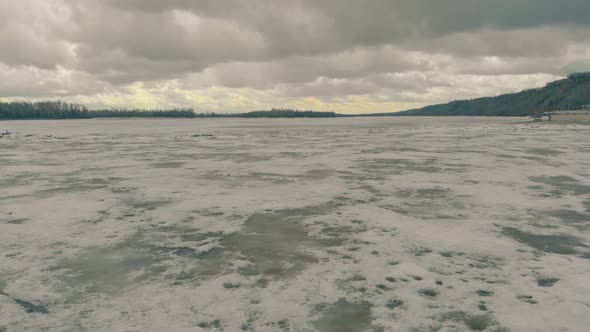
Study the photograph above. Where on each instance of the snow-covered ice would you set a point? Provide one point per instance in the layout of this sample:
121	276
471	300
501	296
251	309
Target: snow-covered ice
352	224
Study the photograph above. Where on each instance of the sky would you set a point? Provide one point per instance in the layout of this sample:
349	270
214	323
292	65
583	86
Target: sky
347	56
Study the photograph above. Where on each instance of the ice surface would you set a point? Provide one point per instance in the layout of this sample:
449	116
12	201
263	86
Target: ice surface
376	224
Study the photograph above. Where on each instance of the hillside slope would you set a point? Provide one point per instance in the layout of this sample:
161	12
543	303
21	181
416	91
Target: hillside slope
565	93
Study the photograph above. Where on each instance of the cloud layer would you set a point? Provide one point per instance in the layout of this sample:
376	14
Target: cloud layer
342	55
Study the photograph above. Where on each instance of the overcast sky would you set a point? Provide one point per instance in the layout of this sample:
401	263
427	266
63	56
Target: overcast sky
350	56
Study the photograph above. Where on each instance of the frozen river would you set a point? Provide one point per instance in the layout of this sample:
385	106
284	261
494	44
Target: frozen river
354	224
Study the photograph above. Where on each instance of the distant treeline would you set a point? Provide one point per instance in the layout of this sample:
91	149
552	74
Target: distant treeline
288	113
189	113
43	110
61	110
139	113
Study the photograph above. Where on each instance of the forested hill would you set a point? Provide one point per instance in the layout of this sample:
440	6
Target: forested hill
570	92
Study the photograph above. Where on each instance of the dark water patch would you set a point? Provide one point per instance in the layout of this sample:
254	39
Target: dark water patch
345	316
541	160
448	216
26	305
294	155
172	164
394	304
67	190
15	180
122	190
449	254
60	138
76	185
188	234
475	322
272	245
250	325
382	287
527	298
370	189
389	149
148	205
140	258
240	157
434	193
12	197
16	221
553	243
484	293
184	251
32	308
90	182
234	180
262	282
357	277
230	285
405	166
428	292
183	276
92	221
544	152
283	324
211	213
109	269
213	324
478	322
546	282
420	251
577	219
199	263
270	177
562	185
497	282
269	244
363	176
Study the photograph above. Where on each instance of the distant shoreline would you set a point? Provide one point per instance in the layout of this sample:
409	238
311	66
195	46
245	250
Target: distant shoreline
339	116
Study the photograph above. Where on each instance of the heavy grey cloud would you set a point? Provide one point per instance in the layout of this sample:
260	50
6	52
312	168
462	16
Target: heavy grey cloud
395	50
